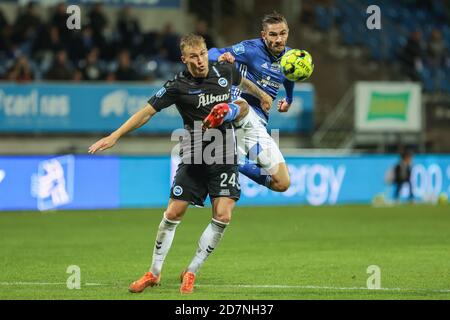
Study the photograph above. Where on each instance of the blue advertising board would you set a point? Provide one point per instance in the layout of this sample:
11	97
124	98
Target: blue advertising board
77	108
97	182
63	182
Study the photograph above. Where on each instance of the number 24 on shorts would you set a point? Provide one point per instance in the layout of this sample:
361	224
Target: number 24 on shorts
231	181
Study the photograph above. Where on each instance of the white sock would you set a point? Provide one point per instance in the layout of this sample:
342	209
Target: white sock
207	243
164	238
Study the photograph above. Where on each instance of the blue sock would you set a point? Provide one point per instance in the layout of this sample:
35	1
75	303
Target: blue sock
256	173
233	113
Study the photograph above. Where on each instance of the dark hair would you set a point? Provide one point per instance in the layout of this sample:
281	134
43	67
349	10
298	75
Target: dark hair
273	18
406	154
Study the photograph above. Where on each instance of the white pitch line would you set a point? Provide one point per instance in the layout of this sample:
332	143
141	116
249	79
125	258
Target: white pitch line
31	283
46	284
268	286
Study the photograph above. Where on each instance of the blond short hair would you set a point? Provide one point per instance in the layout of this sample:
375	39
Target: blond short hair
191	40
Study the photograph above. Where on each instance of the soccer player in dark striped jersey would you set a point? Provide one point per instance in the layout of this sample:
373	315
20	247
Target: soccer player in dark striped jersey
194	92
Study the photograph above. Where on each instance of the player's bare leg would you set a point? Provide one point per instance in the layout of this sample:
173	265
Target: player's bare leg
222	208
280	180
164	238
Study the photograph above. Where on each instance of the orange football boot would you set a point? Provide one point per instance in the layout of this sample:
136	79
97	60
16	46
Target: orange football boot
147	280
216	116
187	282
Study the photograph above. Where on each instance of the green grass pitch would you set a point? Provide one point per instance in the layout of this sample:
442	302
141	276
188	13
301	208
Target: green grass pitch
266	253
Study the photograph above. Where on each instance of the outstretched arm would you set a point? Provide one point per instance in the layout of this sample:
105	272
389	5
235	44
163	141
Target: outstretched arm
249	87
137	120
215	53
285	104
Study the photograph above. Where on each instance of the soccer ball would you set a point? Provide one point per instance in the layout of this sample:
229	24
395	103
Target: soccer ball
297	65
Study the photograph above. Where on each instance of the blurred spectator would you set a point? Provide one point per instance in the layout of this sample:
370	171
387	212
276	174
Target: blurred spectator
3	21
436	55
170	41
59	21
201	28
98	20
90	68
412	56
150	44
48	42
60	69
124	71
20	71
402	175
27	24
77	76
83	42
6	44
98	23
436	50
164	69
128	29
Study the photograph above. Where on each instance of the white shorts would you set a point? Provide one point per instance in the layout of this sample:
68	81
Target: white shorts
255	144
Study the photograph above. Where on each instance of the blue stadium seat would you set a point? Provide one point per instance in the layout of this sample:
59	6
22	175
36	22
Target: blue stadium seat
348	35
427	80
324	18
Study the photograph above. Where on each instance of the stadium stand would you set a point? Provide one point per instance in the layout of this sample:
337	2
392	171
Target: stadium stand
413	45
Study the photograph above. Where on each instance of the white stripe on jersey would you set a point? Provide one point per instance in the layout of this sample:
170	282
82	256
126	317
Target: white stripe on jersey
243	70
217	72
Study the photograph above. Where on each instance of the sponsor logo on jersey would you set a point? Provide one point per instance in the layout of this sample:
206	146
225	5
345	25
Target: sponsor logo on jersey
238	49
267	82
265	65
195	91
161	92
177	191
204	100
223	82
224	192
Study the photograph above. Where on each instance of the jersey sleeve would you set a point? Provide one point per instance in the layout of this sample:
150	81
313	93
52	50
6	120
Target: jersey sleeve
165	97
289	86
236	76
241	52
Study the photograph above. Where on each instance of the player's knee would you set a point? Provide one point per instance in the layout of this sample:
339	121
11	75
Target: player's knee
223	216
280	185
174	214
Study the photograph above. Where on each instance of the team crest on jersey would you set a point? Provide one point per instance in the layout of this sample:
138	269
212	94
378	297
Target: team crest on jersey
238	49
223	82
177	191
161	92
